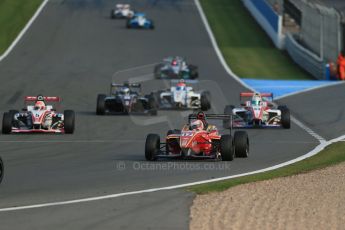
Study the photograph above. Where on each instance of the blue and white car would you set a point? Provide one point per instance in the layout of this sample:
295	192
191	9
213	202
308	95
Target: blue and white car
140	21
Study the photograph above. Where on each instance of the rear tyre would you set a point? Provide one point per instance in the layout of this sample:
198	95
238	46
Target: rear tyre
69	121
205	101
241	143
228	111
152	146
193	71
157	71
285	118
128	24
100	110
226	149
112	14
7	121
2	170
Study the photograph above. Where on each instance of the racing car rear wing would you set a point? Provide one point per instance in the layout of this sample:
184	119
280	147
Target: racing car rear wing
41	98
250	94
134	85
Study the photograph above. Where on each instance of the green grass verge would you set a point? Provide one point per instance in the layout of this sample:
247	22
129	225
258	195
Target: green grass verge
14	14
245	46
331	155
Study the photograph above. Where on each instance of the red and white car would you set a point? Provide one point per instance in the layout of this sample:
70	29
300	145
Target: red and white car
38	117
258	112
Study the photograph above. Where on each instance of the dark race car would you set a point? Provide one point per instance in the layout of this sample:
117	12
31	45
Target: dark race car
125	99
175	68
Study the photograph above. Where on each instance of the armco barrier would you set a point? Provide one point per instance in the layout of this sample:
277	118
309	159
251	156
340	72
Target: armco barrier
269	20
309	61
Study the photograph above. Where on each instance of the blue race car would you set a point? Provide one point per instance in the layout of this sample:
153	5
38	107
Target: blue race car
139	21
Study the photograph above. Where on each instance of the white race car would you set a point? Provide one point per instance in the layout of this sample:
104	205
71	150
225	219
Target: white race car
122	11
181	96
258	112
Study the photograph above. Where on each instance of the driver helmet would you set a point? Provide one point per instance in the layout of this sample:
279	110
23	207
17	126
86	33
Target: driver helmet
256	99
40	105
181	84
201	116
197	125
174	62
125	91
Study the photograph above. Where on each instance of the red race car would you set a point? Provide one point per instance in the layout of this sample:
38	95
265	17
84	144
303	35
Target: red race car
198	140
38	117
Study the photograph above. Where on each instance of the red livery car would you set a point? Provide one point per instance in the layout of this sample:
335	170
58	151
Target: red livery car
38	117
198	139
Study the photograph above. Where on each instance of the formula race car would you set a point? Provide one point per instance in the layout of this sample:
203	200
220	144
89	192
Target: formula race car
125	99
140	21
198	140
2	170
38	117
181	96
121	11
259	112
175	67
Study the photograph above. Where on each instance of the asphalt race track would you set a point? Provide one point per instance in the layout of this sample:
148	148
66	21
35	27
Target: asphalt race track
72	50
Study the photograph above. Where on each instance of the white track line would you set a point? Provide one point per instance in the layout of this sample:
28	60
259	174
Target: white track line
316	150
21	34
233	75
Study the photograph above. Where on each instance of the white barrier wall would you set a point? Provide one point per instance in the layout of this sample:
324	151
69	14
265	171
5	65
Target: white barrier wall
268	19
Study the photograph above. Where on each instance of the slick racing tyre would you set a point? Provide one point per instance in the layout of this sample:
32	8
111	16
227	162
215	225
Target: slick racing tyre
69	121
152	147
157	71
128	24
112	14
205	101
100	110
228	111
226	148
285	117
193	71
7	121
2	170
241	144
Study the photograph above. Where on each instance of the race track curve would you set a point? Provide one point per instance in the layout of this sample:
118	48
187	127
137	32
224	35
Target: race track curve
72	50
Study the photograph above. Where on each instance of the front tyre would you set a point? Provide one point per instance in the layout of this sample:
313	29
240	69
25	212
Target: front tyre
2	170
69	121
152	147
241	143
193	71
7	121
285	118
100	109
226	149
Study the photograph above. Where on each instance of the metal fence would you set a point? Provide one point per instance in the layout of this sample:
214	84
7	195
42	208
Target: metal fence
320	29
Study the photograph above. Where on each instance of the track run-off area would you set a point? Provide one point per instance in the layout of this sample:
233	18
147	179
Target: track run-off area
72	49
